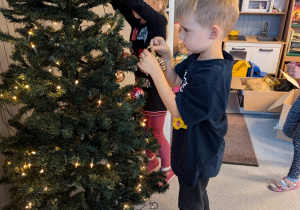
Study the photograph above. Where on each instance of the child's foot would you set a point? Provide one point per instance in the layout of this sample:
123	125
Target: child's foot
284	185
153	164
169	175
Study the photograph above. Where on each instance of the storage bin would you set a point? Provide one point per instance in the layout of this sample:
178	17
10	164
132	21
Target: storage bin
240	69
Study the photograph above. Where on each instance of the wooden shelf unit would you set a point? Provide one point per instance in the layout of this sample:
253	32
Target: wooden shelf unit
288	57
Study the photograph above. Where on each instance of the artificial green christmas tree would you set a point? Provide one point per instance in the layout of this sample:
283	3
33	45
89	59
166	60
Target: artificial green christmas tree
79	138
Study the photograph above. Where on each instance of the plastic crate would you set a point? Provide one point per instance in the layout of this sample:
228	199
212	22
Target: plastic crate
240	69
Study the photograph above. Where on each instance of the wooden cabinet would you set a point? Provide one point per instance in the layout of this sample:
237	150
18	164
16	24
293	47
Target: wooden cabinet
287	57
264	55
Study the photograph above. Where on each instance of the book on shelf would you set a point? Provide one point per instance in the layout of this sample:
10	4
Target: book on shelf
290	37
296	13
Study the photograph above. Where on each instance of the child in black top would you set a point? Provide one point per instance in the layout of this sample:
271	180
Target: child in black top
147	20
199	108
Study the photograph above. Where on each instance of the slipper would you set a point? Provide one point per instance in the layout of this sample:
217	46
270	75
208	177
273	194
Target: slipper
279	187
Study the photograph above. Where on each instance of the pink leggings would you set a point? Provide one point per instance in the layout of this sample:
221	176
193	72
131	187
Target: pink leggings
157	124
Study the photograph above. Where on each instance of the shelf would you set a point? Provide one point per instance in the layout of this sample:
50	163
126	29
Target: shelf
292	57
263	13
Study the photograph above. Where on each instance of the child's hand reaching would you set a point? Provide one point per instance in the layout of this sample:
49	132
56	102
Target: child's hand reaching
159	45
293	70
148	63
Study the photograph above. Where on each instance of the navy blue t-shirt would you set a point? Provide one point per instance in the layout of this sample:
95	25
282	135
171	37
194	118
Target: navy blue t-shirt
197	150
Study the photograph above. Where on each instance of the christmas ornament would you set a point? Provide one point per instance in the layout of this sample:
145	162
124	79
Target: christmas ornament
120	76
159	59
137	92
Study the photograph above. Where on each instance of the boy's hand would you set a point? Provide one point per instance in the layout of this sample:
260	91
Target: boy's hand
293	70
159	45
148	63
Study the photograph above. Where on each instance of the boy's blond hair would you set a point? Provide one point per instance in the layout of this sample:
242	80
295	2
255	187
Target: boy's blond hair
222	13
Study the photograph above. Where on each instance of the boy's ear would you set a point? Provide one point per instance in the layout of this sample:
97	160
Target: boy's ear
214	32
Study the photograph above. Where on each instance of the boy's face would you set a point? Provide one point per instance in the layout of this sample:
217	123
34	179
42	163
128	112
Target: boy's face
195	36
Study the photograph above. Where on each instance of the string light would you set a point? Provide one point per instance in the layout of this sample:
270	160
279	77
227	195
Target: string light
126	206
55	23
42	171
23	174
92	163
108	166
14	97
77	163
58	87
143	123
33	47
26	86
28	206
99	102
8	162
46	189
76	82
16	87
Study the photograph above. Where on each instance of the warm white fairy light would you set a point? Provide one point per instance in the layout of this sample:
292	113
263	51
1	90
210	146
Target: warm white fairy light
23	174
141	176
26	86
25	166
129	94
42	171
77	164
32	45
58	63
1	95
29	165
76	82
16	87
58	87
28	206
14	97
45	189
126	206
99	102
30	32
55	23
33	152
8	162
143	123
92	163
108	165
144	152
50	70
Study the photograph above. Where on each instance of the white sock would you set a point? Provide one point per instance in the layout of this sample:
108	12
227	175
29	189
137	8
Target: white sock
165	169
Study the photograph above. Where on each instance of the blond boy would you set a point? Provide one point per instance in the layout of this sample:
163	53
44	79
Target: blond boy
198	109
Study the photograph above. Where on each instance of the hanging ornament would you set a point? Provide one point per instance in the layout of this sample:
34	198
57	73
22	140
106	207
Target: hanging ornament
159	59
137	92
120	76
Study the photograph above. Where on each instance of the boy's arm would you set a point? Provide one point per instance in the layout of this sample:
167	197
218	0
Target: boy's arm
149	65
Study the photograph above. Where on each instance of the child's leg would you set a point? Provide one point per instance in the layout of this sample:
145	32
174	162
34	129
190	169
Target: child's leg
157	124
195	198
293	120
149	153
294	171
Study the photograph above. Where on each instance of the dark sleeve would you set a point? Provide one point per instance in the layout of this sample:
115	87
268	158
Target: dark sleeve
153	18
125	10
199	101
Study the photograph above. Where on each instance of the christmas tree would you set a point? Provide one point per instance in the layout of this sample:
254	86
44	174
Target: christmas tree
80	138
